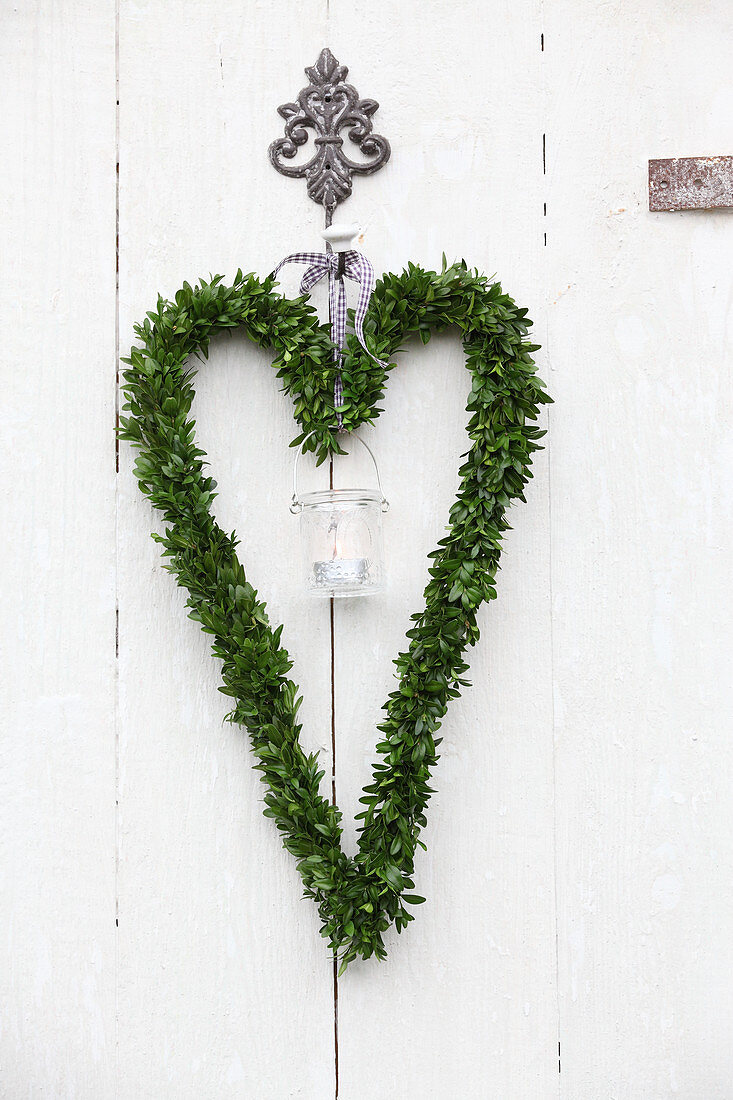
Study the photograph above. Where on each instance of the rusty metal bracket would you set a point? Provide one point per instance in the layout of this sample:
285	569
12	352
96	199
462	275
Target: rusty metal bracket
328	106
691	183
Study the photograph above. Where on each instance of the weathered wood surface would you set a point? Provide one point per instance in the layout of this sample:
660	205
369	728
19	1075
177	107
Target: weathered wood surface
472	980
579	875
57	626
639	328
225	987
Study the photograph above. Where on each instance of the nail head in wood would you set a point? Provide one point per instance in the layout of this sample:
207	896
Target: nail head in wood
691	183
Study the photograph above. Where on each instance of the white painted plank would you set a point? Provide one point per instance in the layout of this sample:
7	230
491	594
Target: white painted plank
465	1003
57	630
639	338
225	983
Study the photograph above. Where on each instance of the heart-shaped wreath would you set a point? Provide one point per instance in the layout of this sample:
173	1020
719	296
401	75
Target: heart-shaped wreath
357	898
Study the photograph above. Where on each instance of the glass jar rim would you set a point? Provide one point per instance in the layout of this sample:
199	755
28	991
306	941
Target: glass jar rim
340	496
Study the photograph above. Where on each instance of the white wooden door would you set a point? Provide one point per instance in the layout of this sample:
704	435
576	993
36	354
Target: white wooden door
576	938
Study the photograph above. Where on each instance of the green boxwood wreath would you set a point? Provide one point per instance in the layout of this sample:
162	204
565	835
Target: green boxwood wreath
358	898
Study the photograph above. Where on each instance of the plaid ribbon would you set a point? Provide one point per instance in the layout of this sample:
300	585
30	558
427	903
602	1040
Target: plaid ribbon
354	266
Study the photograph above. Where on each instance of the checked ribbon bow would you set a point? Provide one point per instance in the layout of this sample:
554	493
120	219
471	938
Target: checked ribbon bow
353	265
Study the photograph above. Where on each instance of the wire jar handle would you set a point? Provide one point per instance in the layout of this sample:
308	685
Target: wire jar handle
296	504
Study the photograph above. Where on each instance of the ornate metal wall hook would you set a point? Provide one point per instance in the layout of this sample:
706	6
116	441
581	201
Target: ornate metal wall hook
329	106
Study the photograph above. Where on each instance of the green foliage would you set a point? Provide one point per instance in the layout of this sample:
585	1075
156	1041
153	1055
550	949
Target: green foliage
358	899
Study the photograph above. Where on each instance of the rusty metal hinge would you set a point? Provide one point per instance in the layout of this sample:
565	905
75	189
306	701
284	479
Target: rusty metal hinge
691	183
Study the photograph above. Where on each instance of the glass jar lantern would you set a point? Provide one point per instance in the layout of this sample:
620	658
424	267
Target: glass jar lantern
341	537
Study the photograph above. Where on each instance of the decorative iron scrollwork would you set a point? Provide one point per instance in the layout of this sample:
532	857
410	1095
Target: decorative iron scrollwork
328	106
